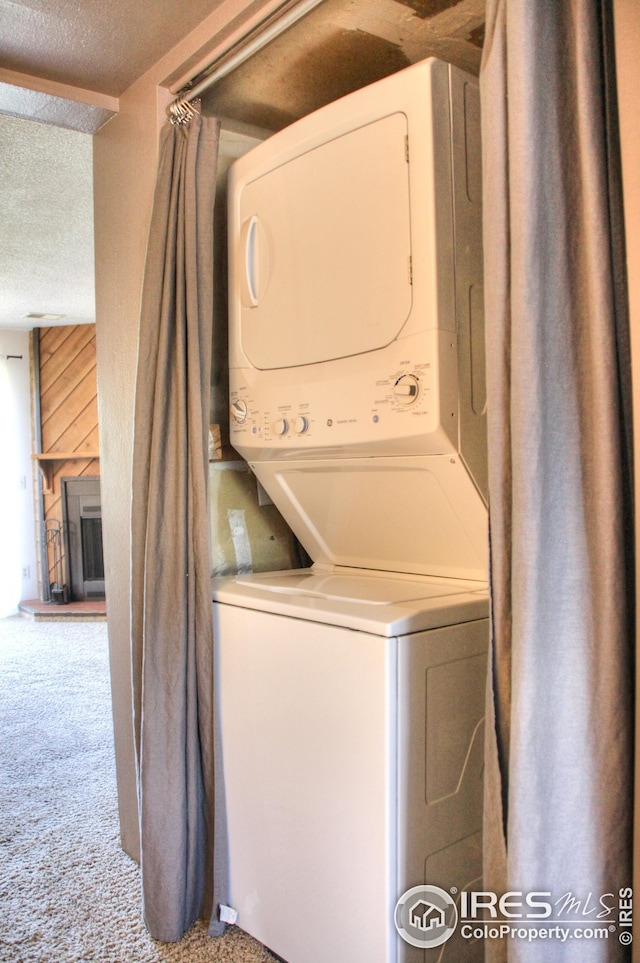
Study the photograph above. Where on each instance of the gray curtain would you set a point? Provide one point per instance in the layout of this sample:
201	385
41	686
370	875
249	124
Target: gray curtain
559	750
179	785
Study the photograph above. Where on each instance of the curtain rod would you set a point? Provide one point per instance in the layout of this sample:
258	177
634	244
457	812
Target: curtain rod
270	28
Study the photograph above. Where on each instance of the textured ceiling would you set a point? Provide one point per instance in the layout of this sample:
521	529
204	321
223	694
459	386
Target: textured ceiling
46	221
46	224
46	203
93	44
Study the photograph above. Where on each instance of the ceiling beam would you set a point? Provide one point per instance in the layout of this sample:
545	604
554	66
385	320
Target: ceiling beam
50	102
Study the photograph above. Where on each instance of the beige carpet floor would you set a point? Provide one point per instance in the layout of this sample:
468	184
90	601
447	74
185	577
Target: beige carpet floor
68	893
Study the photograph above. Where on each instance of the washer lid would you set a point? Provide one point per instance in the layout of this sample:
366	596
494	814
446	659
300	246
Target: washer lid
348	587
374	602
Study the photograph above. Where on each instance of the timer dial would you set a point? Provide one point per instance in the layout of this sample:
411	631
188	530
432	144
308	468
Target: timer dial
406	389
239	412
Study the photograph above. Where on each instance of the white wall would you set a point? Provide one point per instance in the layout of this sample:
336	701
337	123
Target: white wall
18	573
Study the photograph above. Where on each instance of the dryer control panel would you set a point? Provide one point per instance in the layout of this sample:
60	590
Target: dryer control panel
350	405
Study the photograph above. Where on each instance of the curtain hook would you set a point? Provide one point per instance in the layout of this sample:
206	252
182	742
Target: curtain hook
181	111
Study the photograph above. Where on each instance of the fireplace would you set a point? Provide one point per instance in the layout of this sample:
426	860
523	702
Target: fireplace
82	514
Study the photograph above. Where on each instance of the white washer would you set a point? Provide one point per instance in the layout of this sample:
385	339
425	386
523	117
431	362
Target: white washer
351	717
351	694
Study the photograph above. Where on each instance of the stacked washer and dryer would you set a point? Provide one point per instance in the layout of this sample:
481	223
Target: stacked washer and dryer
351	694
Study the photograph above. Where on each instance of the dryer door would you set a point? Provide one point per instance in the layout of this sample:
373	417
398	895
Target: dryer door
323	250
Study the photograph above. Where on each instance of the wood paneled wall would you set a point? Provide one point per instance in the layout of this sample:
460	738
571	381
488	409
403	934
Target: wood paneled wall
68	406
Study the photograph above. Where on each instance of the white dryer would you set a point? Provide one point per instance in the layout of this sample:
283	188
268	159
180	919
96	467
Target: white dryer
351	694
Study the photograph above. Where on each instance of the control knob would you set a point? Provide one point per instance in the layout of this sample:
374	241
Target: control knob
239	411
300	425
406	389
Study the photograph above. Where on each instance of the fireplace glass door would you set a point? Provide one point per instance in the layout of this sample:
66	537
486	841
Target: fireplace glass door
83	537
